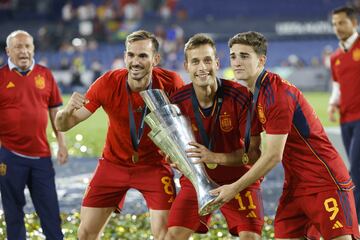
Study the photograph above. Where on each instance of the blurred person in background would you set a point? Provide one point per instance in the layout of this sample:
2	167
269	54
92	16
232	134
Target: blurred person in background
130	159
28	94
345	100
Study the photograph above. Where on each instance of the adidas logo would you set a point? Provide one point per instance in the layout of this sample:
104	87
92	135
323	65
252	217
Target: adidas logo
251	214
337	224
10	85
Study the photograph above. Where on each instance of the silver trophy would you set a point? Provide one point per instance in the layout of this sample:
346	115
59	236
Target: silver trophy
172	132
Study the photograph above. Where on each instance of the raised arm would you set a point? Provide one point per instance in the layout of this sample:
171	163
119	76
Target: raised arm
73	113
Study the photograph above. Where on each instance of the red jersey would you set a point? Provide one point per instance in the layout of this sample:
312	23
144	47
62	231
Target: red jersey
310	161
229	130
24	104
345	69
110	92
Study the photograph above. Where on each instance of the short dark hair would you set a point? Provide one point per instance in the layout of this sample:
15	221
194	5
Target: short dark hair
254	39
197	40
349	11
142	35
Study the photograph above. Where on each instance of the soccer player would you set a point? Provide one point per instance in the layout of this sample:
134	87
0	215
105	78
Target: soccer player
217	110
130	159
345	69
317	188
28	94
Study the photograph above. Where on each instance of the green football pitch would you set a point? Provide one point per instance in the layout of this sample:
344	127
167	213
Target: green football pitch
87	138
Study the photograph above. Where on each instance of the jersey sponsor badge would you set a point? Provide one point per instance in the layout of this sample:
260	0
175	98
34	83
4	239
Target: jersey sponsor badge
10	85
337	224
225	122
40	82
261	114
356	55
251	214
2	169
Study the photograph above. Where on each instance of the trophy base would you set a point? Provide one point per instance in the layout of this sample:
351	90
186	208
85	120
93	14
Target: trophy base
209	207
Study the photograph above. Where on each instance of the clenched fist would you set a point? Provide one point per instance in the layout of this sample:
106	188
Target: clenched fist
76	102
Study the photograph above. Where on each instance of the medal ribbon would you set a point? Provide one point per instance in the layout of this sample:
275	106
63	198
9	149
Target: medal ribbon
135	138
207	141
250	112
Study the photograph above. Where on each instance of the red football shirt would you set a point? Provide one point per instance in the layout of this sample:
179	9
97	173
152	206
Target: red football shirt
24	104
310	161
228	133
345	69
109	91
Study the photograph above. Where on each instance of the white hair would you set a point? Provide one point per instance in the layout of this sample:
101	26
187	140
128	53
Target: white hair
14	33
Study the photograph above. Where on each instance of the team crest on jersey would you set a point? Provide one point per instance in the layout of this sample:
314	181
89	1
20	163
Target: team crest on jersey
225	122
40	82
356	55
2	169
261	114
337	62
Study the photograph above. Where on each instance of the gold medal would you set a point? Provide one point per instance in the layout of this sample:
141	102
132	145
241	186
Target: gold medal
211	165
135	157
245	159
2	169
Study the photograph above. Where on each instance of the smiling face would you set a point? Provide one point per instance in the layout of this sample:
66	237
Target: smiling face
343	26
202	65
140	58
21	50
245	63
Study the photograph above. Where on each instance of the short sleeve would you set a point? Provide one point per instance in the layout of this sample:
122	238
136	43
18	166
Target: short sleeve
94	93
277	111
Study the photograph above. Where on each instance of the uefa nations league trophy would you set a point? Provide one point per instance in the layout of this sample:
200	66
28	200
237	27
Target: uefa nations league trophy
171	132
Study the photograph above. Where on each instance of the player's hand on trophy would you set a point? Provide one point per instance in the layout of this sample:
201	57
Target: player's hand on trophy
76	102
224	193
168	159
201	152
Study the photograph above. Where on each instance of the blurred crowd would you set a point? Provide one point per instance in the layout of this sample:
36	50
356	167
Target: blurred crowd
88	35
